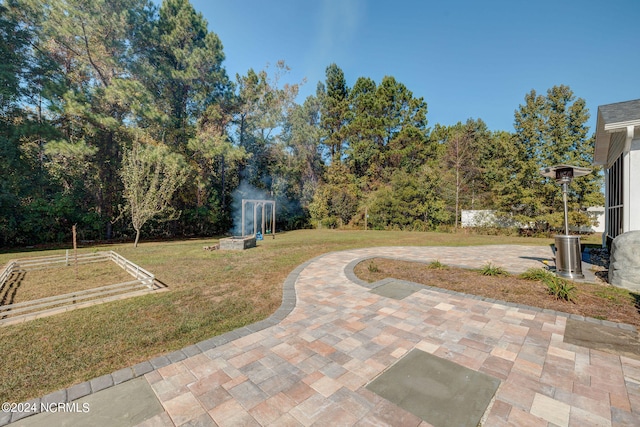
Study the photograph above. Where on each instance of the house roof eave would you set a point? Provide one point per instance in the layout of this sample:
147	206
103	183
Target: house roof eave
614	118
603	139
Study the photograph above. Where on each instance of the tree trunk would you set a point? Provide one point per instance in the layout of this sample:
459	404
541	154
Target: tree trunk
135	244
457	142
222	184
457	195
242	130
107	191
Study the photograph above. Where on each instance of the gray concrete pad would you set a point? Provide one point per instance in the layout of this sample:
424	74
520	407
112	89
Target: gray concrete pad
438	391
395	289
126	404
610	339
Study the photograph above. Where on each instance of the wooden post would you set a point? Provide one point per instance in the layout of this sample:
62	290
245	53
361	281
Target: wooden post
255	218
75	249
273	220
243	207
366	216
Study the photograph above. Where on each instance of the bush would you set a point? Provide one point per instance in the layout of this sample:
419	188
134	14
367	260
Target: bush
436	265
492	270
372	267
419	225
406	202
540	274
493	231
560	288
330	222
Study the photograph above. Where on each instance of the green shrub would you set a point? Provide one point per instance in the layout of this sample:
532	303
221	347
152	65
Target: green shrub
492	270
540	274
436	265
330	222
372	267
560	288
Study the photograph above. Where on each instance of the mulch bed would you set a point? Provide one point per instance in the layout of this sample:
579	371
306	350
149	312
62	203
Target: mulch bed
600	301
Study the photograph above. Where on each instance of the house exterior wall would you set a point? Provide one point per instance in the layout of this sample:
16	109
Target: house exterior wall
617	149
622	180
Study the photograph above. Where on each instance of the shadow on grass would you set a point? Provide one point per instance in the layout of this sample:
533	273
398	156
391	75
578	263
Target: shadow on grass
159	283
10	288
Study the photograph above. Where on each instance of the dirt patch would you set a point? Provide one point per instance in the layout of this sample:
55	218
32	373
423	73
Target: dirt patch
600	301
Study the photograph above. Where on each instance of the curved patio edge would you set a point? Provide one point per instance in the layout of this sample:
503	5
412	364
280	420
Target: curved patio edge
350	273
120	376
289	300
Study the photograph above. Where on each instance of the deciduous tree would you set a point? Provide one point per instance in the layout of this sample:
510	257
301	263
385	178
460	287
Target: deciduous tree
462	164
151	174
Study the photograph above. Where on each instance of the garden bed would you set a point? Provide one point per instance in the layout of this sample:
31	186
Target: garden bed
599	301
31	288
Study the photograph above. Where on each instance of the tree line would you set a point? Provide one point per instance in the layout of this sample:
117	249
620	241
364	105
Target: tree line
117	115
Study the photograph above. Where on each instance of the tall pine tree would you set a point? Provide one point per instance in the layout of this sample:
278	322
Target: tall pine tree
552	130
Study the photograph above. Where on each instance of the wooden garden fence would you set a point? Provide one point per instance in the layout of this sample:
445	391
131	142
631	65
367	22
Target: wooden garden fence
10	313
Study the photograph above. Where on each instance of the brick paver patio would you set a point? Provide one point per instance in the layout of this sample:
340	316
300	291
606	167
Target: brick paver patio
309	363
311	368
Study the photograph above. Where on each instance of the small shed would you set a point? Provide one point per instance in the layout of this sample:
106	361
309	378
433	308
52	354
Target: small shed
617	149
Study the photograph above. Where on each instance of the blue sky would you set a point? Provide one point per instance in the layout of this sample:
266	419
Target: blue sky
467	59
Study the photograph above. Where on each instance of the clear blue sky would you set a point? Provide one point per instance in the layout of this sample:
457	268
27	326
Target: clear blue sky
466	58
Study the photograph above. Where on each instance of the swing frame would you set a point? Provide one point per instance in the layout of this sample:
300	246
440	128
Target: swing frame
258	203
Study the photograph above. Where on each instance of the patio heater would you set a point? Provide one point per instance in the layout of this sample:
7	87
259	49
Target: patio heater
568	251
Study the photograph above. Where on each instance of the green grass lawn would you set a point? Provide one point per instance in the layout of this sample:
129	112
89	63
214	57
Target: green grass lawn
210	293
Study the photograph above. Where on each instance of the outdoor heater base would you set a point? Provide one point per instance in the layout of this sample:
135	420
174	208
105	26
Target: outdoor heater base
568	257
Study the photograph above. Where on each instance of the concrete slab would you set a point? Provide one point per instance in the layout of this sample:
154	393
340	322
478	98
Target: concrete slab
126	404
610	339
438	391
395	289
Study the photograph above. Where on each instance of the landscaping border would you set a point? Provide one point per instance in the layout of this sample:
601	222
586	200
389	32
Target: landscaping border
21	312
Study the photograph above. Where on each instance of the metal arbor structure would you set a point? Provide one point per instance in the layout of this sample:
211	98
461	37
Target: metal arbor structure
263	205
568	251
